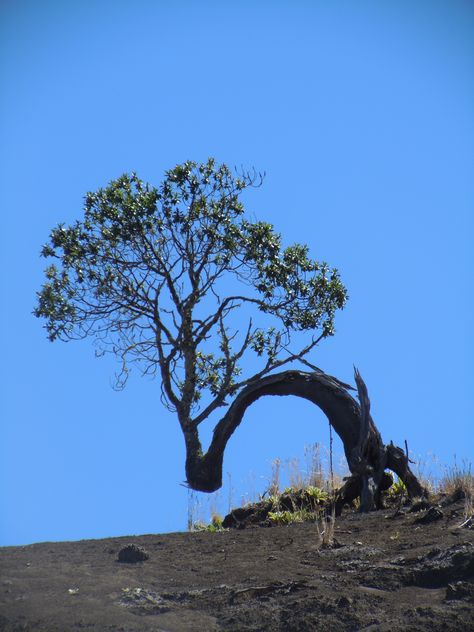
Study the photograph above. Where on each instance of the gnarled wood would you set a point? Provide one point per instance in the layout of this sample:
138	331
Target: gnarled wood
398	462
368	458
366	454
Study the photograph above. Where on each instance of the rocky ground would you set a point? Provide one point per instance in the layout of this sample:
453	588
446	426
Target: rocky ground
387	570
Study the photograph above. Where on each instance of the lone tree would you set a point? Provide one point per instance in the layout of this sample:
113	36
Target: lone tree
177	281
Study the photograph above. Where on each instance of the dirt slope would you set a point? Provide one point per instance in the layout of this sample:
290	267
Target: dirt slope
387	572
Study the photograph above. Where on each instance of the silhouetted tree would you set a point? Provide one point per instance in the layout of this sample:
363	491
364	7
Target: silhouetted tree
179	282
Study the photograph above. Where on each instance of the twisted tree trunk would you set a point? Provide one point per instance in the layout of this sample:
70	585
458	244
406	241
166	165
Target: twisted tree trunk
366	454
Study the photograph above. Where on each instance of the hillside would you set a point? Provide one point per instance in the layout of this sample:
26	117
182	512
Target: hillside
387	570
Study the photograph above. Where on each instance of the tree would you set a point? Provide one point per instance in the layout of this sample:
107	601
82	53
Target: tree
177	281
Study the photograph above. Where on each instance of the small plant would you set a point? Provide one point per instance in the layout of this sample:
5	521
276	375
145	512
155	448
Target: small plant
329	527
295	499
281	517
216	521
214	526
274	499
290	517
302	499
397	489
317	494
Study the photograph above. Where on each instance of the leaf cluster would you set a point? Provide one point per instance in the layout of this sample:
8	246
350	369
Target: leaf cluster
158	275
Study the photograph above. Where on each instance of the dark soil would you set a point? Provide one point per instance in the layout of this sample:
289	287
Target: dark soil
387	571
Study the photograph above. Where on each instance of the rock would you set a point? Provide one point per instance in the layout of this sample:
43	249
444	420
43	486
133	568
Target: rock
435	569
468	524
419	506
242	517
344	602
132	553
432	515
458	494
448	566
141	601
459	590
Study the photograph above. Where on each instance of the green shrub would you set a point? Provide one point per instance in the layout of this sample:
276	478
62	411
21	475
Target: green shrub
398	488
215	525
317	494
289	517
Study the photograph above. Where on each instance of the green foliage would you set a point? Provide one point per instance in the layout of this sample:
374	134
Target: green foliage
289	517
154	274
318	495
214	526
398	488
281	517
216	521
301	503
309	492
274	499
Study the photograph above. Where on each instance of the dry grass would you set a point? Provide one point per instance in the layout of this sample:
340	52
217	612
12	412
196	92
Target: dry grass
329	527
316	471
312	475
459	480
274	487
426	469
314	466
192	508
313	472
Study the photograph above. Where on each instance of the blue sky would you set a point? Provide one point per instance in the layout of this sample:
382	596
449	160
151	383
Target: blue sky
362	116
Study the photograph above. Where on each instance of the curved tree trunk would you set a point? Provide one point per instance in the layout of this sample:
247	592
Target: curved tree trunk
366	454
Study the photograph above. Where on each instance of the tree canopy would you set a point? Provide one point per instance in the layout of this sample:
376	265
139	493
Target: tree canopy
177	280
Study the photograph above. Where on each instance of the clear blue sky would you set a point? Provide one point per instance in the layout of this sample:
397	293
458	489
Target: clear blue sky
361	114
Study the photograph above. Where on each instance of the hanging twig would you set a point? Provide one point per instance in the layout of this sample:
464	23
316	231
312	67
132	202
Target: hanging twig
331	471
406	453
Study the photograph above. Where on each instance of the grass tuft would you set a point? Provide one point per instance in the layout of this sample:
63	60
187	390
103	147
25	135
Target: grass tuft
458	481
309	497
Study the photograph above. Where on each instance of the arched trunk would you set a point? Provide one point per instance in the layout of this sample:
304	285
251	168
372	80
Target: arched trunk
366	454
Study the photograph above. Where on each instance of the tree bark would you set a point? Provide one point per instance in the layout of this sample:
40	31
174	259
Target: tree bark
366	454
